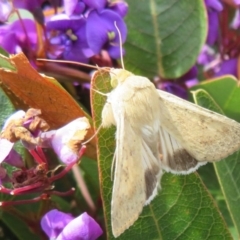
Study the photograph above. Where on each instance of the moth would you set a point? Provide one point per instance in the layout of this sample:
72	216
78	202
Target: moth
156	132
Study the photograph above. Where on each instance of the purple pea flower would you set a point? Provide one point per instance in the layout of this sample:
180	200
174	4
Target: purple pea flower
236	20
213	8
61	226
102	33
96	5
73	7
24	126
33	6
30	5
14	38
227	67
14	159
5	10
119	7
5	145
68	36
181	85
66	140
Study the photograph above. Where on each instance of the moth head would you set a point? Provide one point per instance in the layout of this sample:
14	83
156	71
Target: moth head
118	76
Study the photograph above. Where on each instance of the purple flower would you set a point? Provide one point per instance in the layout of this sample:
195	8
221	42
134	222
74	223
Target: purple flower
180	86
102	33
6	145
236	20
227	67
96	5
5	10
69	37
174	88
119	7
61	226
66	141
34	6
213	27
206	55
73	7
213	7
14	159
21	126
14	38
30	5
237	2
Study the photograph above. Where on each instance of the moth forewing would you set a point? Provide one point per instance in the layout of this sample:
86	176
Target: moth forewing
206	135
133	105
128	196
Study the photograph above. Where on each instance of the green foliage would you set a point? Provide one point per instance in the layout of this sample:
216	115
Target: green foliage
164	37
222	96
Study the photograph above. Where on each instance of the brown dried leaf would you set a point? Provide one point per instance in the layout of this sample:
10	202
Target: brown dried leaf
27	88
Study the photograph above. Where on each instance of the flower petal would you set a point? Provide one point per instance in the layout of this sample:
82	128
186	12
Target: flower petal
54	221
69	6
228	67
66	141
5	148
214	4
83	227
63	23
5	145
119	7
100	25
98	5
213	27
5	10
14	159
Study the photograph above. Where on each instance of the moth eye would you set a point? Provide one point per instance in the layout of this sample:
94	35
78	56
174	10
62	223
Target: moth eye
114	82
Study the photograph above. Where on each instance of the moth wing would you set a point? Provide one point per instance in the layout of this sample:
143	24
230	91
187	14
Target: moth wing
204	134
174	157
136	177
128	195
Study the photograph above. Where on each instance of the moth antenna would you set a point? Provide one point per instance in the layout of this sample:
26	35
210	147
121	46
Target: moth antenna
103	94
70	62
84	143
120	42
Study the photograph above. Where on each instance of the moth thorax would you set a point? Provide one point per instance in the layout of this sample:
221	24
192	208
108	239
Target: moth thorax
118	76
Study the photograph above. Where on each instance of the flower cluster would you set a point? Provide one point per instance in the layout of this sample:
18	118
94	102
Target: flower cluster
81	29
31	130
220	52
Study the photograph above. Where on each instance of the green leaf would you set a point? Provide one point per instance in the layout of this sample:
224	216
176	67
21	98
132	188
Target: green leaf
90	174
182	210
5	63
164	37
225	92
225	99
4	53
18	227
6	108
